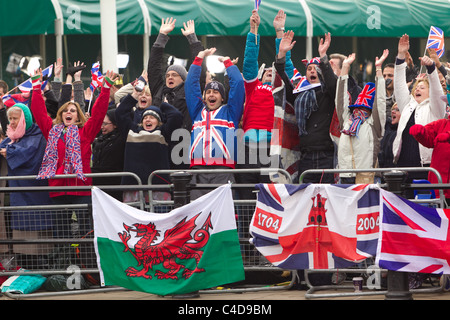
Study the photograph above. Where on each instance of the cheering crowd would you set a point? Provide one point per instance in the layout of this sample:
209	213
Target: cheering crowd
399	120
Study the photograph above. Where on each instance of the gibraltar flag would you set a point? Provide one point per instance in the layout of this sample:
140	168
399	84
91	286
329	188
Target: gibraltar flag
188	249
316	226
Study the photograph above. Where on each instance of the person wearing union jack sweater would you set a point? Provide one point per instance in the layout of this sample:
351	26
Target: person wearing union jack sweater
213	139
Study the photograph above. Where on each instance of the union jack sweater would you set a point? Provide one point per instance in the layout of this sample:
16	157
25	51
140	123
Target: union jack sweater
213	137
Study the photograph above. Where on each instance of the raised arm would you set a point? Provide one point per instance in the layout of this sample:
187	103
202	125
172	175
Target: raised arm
250	65
437	106
154	68
401	90
341	100
38	108
192	89
379	106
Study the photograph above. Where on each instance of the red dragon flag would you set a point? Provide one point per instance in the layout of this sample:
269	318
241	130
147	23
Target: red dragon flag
191	248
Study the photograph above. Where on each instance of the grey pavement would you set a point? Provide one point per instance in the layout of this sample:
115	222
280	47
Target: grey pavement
250	294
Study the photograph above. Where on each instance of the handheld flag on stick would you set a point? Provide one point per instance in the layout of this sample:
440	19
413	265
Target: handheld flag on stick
96	80
436	41
257	4
26	86
97	77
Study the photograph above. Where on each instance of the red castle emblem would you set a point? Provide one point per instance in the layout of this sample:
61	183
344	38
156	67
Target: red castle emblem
317	214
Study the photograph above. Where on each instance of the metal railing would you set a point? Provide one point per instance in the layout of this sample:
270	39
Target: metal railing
78	248
439	202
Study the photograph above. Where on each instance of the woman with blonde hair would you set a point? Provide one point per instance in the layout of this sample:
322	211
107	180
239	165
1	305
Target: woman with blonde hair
69	137
421	105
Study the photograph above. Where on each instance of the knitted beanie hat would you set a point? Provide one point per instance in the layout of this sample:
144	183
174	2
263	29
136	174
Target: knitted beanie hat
178	69
26	113
153	111
215	85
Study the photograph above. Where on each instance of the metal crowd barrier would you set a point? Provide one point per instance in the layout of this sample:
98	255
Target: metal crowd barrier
252	259
50	246
376	289
44	253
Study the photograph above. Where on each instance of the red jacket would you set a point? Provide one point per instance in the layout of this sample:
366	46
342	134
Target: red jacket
259	106
436	135
87	135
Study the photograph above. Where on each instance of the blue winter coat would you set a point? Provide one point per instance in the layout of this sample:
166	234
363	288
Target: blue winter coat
24	157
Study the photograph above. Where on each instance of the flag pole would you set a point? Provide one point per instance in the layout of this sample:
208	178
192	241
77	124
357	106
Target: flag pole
89	105
425	51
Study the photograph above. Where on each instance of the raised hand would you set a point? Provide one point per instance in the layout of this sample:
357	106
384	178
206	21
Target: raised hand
58	66
189	28
426	61
324	45
280	20
255	20
111	75
403	46
286	43
346	63
167	25
207	52
379	61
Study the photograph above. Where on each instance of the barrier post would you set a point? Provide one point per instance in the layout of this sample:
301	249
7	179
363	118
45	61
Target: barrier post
397	282
181	189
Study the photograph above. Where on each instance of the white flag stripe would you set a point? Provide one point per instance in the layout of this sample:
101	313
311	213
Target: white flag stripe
109	213
430	229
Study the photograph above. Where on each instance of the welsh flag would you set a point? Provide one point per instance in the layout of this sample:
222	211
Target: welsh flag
191	248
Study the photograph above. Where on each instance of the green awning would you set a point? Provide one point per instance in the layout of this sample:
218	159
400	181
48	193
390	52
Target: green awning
359	18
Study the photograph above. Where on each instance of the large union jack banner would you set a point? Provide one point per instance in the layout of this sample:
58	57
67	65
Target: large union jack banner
316	226
413	237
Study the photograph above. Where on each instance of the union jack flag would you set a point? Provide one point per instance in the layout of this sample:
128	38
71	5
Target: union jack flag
210	138
26	86
97	77
297	75
11	99
413	238
315	60
366	96
257	4
303	84
436	41
299	226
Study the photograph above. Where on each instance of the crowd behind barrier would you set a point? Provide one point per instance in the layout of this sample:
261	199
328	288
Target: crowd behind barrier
260	125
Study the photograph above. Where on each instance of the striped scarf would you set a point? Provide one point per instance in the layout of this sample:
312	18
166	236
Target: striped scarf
358	117
72	158
304	104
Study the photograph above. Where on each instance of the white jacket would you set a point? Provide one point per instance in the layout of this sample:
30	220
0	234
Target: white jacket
366	144
427	111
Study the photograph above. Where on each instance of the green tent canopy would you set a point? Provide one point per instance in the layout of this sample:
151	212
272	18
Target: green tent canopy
358	18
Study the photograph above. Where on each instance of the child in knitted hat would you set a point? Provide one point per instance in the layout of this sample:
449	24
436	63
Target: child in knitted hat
147	142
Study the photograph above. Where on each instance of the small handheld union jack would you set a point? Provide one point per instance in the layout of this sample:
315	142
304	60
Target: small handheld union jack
257	4
97	77
436	41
